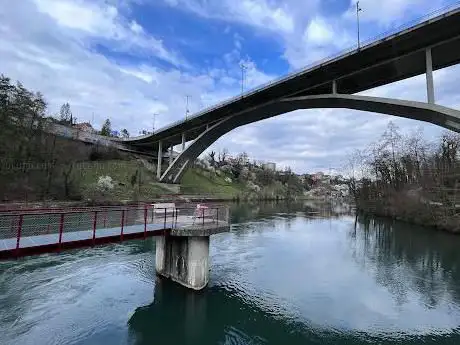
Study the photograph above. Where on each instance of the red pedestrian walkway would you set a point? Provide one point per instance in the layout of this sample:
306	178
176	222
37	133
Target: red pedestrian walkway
28	232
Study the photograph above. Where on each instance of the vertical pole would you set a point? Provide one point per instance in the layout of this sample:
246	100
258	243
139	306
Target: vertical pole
122	224
94	227
358	9
61	229
170	155
153	209
429	76
153	124
164	226
160	152
334	87
187	97
202	213
19	234
176	216
243	68
145	222
217	216
183	142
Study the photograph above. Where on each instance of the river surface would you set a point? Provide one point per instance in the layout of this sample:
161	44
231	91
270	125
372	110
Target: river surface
285	274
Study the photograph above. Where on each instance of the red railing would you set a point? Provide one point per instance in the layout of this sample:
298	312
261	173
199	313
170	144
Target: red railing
66	209
23	232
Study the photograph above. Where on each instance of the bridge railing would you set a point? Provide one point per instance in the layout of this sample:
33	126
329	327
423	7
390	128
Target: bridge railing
29	229
440	12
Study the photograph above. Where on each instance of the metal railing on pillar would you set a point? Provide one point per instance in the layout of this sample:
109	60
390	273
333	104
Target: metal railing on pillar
21	219
94	227
61	229
122	224
145	222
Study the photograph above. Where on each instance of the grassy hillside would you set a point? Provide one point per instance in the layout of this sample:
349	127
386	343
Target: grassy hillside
199	181
131	180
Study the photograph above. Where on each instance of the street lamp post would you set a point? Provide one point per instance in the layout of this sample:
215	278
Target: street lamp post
358	9
153	124
187	97
243	69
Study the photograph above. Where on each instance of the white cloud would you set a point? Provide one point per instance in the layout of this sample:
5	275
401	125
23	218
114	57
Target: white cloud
98	21
318	32
259	13
92	19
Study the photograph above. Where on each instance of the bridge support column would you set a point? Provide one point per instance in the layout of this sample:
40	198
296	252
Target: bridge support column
429	76
183	142
160	153
183	259
170	155
334	87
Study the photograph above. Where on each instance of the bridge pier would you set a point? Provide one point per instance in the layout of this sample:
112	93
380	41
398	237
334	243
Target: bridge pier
182	254
183	259
429	76
159	159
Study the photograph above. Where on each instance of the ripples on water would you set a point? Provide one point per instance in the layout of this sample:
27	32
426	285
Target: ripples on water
297	274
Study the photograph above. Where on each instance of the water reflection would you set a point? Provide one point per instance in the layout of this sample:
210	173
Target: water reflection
407	257
242	212
216	316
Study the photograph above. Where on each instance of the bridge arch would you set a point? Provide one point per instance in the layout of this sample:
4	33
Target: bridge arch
427	112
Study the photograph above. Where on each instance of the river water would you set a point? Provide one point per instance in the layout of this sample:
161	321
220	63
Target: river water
285	274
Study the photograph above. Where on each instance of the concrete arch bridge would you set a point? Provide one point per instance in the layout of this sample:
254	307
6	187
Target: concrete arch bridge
421	49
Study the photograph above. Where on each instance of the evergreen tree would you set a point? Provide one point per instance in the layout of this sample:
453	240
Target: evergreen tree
106	128
65	114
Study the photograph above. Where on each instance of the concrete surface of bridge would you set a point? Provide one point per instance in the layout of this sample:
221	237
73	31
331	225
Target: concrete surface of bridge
420	49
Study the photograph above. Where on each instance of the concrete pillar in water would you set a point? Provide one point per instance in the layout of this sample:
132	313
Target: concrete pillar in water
183	142
429	76
183	259
160	153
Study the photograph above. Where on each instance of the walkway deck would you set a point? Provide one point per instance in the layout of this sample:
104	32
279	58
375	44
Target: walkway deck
67	234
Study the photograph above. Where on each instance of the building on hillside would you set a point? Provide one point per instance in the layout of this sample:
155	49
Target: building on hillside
317	177
84	126
269	166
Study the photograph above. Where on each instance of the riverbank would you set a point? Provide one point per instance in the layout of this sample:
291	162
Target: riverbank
121	182
434	216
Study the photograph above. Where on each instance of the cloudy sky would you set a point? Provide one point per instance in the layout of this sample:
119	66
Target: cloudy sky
128	59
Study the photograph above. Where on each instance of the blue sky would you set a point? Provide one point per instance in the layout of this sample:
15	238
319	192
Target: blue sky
128	59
